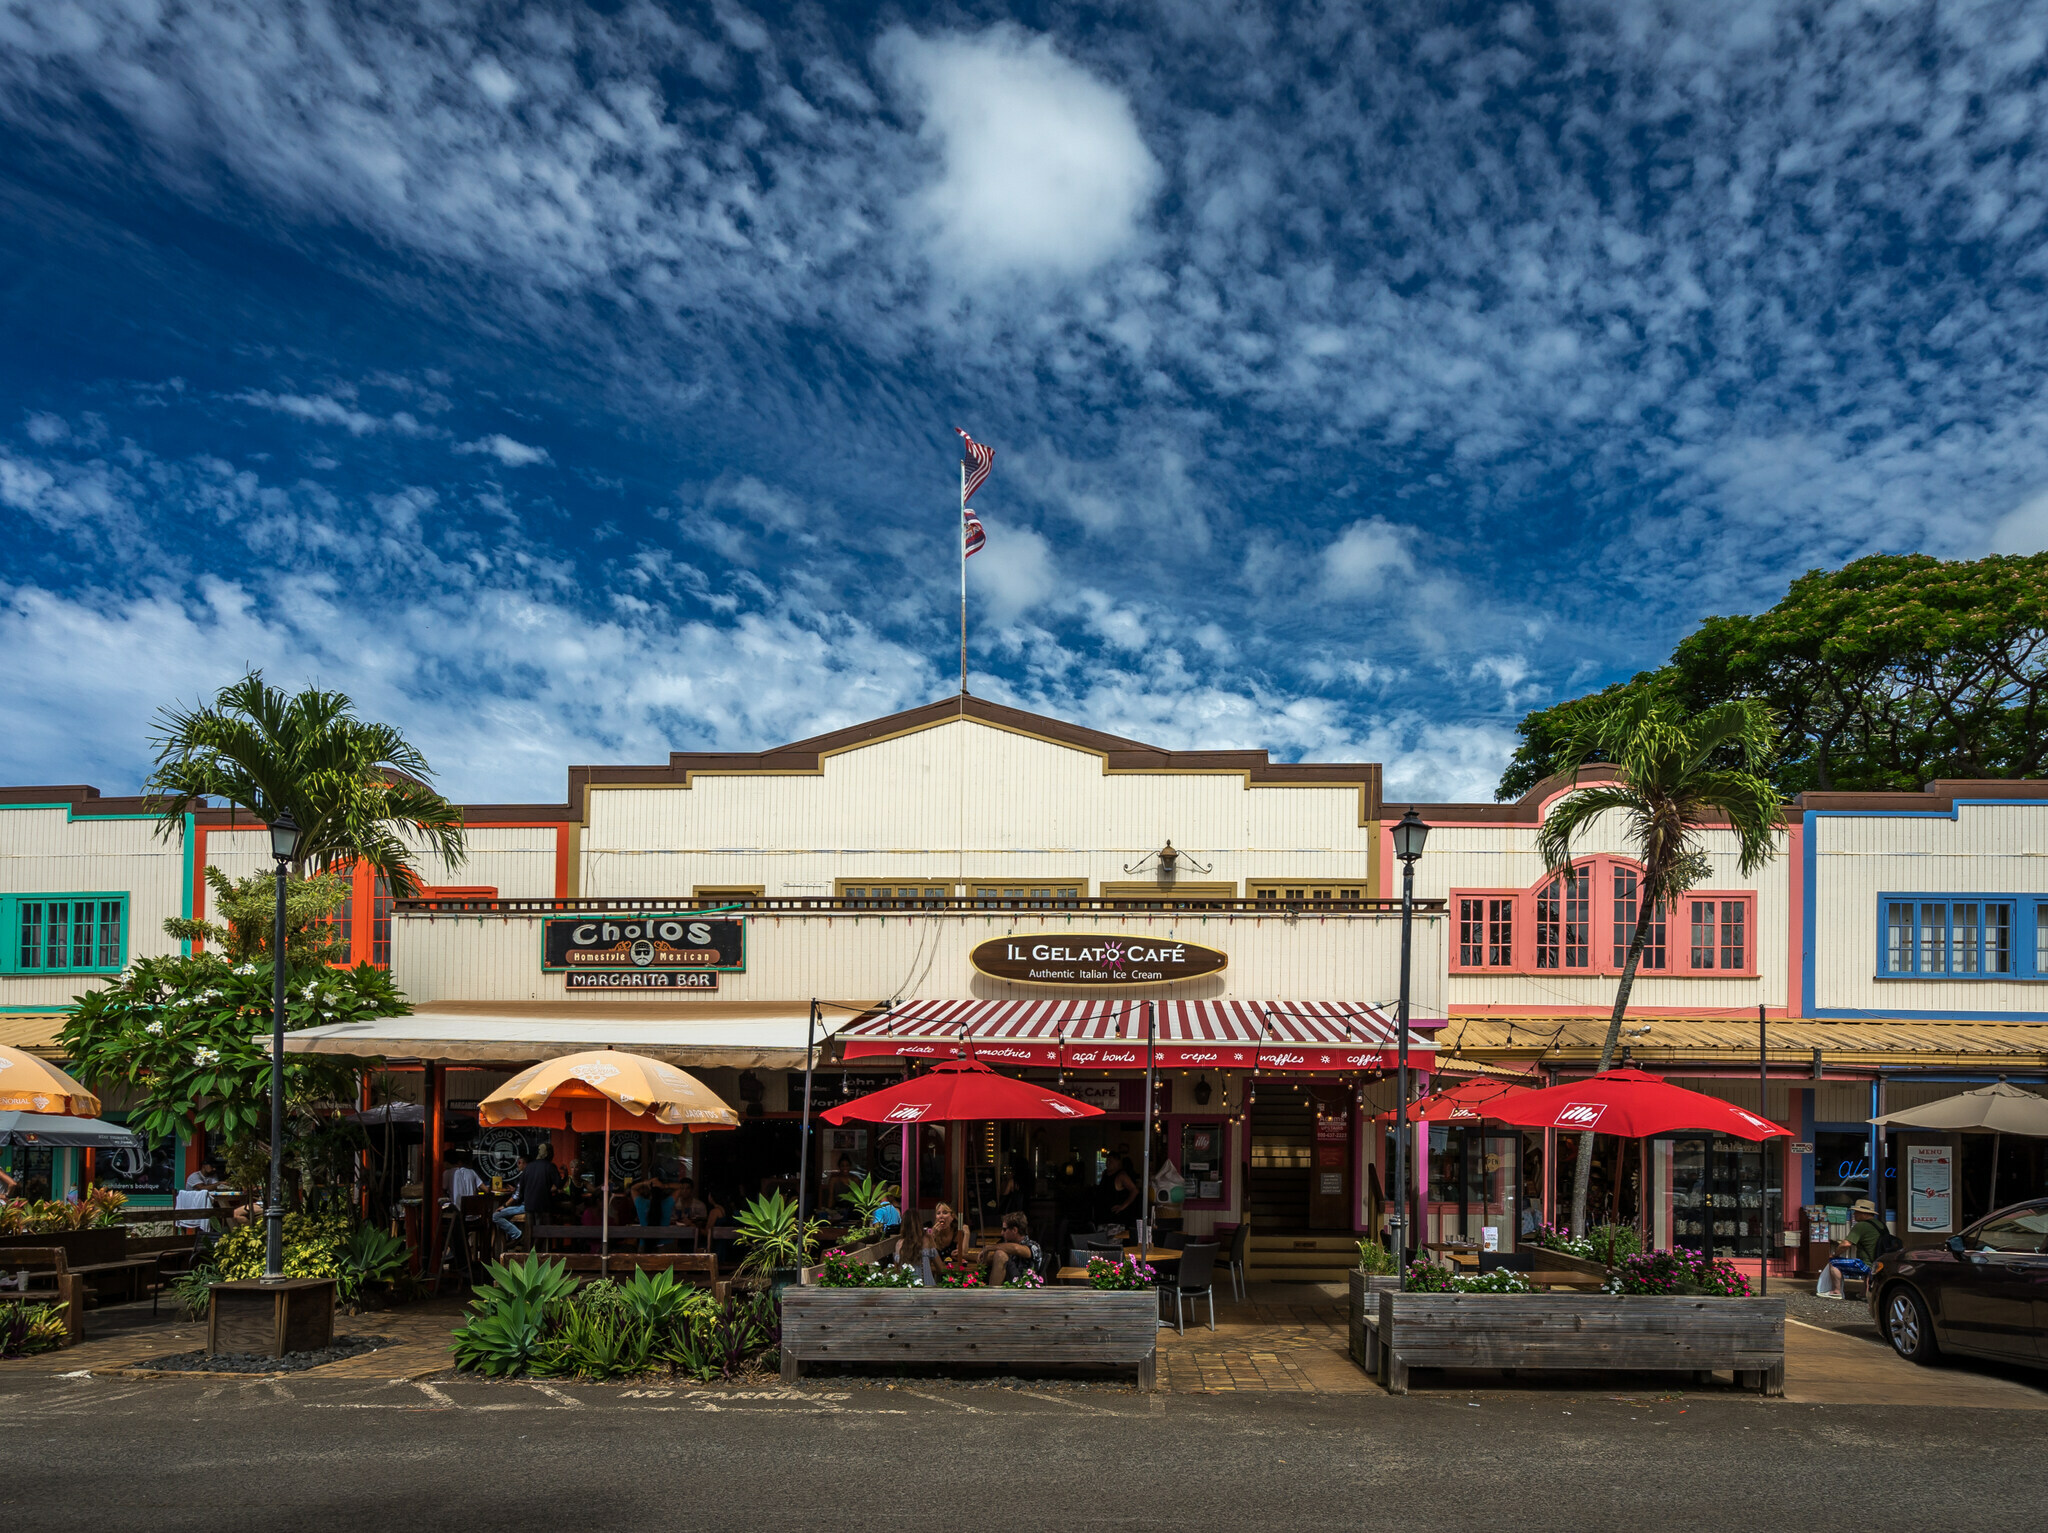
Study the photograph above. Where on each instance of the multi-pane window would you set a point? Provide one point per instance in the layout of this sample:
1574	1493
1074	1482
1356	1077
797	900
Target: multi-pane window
1026	894
71	934
1719	934
2041	939
1486	933
1295	894
1564	922
380	924
1970	938
895	896
1626	887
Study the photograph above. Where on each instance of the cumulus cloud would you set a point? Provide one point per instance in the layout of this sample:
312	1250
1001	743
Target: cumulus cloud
1042	166
1365	556
2024	529
508	452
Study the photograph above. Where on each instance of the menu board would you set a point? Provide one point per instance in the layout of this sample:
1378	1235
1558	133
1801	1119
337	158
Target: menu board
1930	1188
1201	1159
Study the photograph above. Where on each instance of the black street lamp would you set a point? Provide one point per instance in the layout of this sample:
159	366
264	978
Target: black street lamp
1409	835
284	841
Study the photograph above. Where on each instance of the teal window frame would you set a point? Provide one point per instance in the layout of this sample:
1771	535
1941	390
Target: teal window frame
11	917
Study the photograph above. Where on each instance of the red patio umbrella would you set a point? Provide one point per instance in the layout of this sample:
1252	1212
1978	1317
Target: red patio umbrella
1633	1104
1466	1102
961	1091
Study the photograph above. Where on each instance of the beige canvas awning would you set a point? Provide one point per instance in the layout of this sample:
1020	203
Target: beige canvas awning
742	1035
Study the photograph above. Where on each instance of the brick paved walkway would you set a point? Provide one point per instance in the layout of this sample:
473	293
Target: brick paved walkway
1286	1338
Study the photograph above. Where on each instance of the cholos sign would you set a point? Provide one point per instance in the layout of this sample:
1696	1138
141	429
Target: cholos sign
1094	958
671	945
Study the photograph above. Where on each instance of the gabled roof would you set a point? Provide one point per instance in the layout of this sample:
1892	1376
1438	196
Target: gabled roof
807	757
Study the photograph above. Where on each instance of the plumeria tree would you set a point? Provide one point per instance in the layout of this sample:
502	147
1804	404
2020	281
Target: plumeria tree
1680	775
185	1034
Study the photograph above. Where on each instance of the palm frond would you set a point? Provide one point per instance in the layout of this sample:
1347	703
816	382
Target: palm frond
1575	812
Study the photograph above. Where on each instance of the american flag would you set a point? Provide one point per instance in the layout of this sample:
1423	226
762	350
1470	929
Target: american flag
970	531
979	460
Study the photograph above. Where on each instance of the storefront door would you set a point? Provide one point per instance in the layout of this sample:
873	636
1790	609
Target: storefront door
1329	1190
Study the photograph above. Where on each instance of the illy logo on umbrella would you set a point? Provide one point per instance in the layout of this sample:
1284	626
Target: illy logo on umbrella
908	1112
1580	1114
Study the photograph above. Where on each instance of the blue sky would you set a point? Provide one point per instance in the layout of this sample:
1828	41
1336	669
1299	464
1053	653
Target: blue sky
576	382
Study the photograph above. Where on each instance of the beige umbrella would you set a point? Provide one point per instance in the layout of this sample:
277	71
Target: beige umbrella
580	1091
1996	1110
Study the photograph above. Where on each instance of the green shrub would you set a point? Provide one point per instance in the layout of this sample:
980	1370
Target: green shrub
1426	1277
721	1338
1607	1244
313	1245
193	1289
31	1328
1375	1260
598	1339
371	1255
511	1315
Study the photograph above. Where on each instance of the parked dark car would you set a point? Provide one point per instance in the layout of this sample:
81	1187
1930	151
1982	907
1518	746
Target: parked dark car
1984	1293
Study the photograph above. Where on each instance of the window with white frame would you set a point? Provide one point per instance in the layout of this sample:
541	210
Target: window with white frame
1972	936
65	933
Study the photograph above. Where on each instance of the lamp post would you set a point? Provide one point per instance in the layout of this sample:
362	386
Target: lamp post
1409	835
284	841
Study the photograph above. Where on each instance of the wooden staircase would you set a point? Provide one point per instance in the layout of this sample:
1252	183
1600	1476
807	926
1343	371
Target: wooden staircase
1294	1258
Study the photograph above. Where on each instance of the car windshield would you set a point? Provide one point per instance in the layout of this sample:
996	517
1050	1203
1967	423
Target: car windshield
2025	1229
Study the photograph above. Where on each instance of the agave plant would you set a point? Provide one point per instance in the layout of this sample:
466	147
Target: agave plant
774	1237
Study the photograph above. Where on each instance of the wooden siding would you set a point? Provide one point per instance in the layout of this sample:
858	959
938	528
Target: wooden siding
43	851
490	957
519	863
964	801
1985	849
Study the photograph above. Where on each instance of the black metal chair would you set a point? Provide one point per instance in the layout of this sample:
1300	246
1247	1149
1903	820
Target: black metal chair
1239	1258
1193	1278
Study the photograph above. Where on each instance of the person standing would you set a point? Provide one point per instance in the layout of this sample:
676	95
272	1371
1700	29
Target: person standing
538	1179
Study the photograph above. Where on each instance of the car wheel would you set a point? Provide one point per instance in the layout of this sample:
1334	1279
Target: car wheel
1907	1326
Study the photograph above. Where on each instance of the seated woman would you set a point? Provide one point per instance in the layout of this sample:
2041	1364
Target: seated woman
651	1199
914	1249
948	1237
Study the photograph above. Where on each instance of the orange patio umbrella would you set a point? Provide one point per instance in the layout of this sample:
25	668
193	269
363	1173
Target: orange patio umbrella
584	1091
29	1084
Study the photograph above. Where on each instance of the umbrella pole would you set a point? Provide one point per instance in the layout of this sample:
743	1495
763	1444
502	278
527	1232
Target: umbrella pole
604	1241
1145	1180
1995	1137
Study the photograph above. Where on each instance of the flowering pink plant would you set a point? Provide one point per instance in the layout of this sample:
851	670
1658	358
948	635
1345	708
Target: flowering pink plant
1125	1272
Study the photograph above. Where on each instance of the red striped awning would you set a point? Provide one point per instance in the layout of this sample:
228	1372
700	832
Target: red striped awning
1110	1035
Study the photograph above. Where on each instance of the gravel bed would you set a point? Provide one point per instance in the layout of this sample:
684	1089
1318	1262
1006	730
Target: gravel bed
1850	1316
254	1362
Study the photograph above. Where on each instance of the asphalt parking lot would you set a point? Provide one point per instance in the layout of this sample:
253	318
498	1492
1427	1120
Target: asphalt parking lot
227	1455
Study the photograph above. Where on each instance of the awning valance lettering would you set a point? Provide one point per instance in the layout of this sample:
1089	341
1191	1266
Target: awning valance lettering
1111	1035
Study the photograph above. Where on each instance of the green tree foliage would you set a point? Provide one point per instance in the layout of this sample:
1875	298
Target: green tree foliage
182	1034
1885	674
353	786
248	911
1672	787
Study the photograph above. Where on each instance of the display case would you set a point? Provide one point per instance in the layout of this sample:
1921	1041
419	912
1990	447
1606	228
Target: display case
1726	1195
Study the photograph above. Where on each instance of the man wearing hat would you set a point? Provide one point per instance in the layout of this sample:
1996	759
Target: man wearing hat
1867	1233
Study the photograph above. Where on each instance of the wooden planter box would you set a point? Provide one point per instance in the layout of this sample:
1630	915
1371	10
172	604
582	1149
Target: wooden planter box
1365	1315
1582	1331
1006	1326
1560	1270
868	1255
271	1319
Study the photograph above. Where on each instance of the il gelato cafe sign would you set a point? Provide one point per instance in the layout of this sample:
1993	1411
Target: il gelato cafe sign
1094	958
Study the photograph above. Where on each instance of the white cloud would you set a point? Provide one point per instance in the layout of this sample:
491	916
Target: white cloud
2024	529
1364	556
44	428
1013	574
330	410
1043	167
508	452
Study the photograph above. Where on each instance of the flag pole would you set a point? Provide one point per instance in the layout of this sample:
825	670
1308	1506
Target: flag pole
960	536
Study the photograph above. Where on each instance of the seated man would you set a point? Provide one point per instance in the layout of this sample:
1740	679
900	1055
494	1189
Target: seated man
688	1209
1013	1255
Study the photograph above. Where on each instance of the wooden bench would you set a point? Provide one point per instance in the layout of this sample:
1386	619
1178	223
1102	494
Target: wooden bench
621	1234
1004	1326
1701	1336
66	1287
686	1265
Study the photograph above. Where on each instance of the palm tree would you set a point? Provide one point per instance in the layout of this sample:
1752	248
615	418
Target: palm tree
353	786
1675	781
